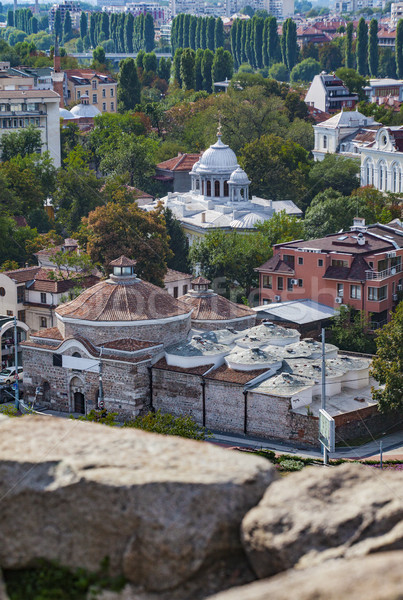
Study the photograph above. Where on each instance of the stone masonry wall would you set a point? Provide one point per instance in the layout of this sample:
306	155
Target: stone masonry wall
238	325
178	393
168	333
224	406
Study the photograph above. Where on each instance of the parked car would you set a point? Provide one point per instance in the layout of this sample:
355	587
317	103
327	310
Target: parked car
8	375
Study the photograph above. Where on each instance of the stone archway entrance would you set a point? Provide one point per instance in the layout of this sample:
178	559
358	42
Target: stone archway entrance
77	398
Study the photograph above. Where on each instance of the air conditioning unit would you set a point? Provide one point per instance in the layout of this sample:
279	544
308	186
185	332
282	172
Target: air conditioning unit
391	254
277	298
395	297
338	300
294	281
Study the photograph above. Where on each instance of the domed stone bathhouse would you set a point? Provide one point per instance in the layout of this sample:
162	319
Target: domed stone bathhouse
123	324
211	311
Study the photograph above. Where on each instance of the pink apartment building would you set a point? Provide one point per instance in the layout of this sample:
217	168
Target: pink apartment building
361	268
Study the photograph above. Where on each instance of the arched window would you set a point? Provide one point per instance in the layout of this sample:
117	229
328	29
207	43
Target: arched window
208	186
395	179
382	176
216	189
324	142
226	189
369	172
76	354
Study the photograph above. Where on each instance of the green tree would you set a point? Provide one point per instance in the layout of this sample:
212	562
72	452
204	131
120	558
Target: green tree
399	49
140	59
335	172
149	33
119	228
207	64
178	243
231	257
99	55
129	27
387	366
362	47
350	331
23	142
210	33
330	211
10	18
192	32
223	65
305	70
198	70
187	69
128	85
177	65
353	80
258	26
58	27
83	25
133	157
281	228
373	56
278	168
349	56
218	34
167	424
291	44
279	72
164	69
67	27
150	62
330	57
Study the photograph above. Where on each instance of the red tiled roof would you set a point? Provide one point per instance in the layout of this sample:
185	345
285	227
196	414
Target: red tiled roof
224	373
276	264
173	275
122	261
51	333
108	301
212	307
129	345
201	281
163	365
182	162
42	283
22	275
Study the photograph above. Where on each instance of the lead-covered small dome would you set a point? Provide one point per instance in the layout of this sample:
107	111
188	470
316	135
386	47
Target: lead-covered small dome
239	177
218	158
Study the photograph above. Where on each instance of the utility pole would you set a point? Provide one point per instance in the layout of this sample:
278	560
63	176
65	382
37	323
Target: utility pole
17	391
323	398
101	389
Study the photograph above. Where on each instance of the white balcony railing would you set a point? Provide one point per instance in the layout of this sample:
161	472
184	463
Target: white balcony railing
378	275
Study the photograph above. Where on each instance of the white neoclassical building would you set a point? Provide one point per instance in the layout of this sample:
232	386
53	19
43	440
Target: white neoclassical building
345	133
219	197
382	161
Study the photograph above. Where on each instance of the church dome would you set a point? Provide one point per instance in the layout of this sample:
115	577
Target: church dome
218	158
239	177
248	221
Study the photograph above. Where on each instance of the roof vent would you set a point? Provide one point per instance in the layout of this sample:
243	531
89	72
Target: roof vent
358	224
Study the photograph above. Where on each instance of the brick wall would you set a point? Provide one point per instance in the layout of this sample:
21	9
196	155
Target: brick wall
168	333
178	393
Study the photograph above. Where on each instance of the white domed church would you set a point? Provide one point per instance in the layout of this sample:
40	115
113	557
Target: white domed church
219	197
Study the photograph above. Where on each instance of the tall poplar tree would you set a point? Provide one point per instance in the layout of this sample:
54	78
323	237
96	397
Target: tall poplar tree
218	34
129	26
176	65
207	64
349	56
291	44
186	30
362	47
233	40
192	32
210	33
284	42
203	30
198	36
67	27
149	33
258	41
373	56
187	69
399	49
58	24
265	47
83	25
129	87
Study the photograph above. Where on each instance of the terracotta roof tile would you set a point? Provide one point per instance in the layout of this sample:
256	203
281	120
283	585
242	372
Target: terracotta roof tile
212	307
22	275
42	283
108	301
224	373
201	281
182	162
122	261
173	275
275	264
51	333
163	365
129	345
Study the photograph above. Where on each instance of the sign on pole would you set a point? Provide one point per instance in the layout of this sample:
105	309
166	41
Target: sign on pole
326	430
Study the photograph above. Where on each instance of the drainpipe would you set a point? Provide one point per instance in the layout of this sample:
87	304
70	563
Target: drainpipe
362	295
150	377
245	418
203	386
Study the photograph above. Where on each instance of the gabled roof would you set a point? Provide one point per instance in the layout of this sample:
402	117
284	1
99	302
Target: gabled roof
275	264
182	162
122	261
172	276
22	275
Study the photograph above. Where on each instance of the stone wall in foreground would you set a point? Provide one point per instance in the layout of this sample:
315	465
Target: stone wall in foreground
183	520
